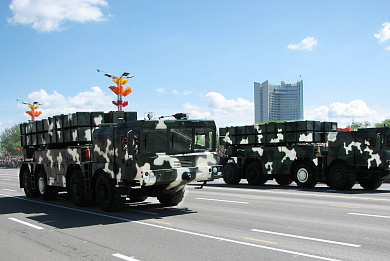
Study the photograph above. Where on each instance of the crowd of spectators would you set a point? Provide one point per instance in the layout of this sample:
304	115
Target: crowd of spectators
11	161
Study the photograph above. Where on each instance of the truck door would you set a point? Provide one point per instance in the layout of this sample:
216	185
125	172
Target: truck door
127	153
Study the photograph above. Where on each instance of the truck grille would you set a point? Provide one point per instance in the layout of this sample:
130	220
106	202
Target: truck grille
180	163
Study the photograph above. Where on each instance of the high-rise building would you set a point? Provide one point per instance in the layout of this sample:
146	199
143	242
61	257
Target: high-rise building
278	102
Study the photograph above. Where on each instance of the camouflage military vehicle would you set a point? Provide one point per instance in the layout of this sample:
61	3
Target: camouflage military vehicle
113	156
306	152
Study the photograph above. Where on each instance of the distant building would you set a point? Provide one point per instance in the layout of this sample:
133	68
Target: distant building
278	102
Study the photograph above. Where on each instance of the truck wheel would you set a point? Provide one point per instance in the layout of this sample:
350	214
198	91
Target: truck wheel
341	177
77	188
370	184
109	198
28	190
305	175
136	197
254	175
46	192
230	174
171	199
283	180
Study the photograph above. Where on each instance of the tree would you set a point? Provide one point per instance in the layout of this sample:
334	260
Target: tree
359	125
10	140
385	123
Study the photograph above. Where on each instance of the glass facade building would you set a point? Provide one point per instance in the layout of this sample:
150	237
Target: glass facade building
278	102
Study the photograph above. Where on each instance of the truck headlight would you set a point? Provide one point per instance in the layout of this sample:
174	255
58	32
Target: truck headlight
215	170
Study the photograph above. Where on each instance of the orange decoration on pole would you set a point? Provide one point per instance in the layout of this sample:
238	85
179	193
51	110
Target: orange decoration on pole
118	89
33	113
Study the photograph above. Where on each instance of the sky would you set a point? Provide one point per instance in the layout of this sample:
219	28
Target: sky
195	56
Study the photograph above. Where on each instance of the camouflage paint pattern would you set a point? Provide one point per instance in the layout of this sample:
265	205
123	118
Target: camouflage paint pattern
109	139
277	146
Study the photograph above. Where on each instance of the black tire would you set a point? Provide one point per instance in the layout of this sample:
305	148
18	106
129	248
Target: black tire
108	198
305	175
27	187
254	175
283	180
341	177
230	174
136	197
77	189
171	199
45	191
370	184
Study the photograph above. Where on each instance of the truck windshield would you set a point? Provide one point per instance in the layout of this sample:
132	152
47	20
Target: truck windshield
187	140
153	141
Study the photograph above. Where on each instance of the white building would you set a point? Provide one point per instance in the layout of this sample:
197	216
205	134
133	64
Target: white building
278	102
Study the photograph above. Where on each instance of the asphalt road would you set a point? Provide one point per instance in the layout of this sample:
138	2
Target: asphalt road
218	222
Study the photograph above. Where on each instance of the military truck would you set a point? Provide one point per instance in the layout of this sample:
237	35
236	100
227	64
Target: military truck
113	157
306	152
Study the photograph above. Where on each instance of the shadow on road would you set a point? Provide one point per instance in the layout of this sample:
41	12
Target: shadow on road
62	214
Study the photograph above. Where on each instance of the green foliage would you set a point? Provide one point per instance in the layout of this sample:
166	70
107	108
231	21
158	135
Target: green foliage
385	123
277	121
359	125
10	140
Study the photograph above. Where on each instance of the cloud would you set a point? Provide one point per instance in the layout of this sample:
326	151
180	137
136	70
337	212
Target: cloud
176	92
345	113
384	34
225	112
56	103
161	90
49	15
306	44
189	106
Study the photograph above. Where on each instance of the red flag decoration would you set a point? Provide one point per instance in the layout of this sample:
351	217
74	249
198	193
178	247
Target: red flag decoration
9	153
16	148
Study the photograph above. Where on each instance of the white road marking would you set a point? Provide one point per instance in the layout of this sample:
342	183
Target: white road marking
314	194
10	190
221	200
368	215
124	257
25	223
221	239
307	238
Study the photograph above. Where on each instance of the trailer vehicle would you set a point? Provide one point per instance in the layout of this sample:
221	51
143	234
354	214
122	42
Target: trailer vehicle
113	156
306	152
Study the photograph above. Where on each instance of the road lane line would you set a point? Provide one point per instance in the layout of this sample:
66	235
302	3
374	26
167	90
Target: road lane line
307	238
368	215
124	257
161	222
338	206
221	239
221	200
25	223
12	190
259	240
299	193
